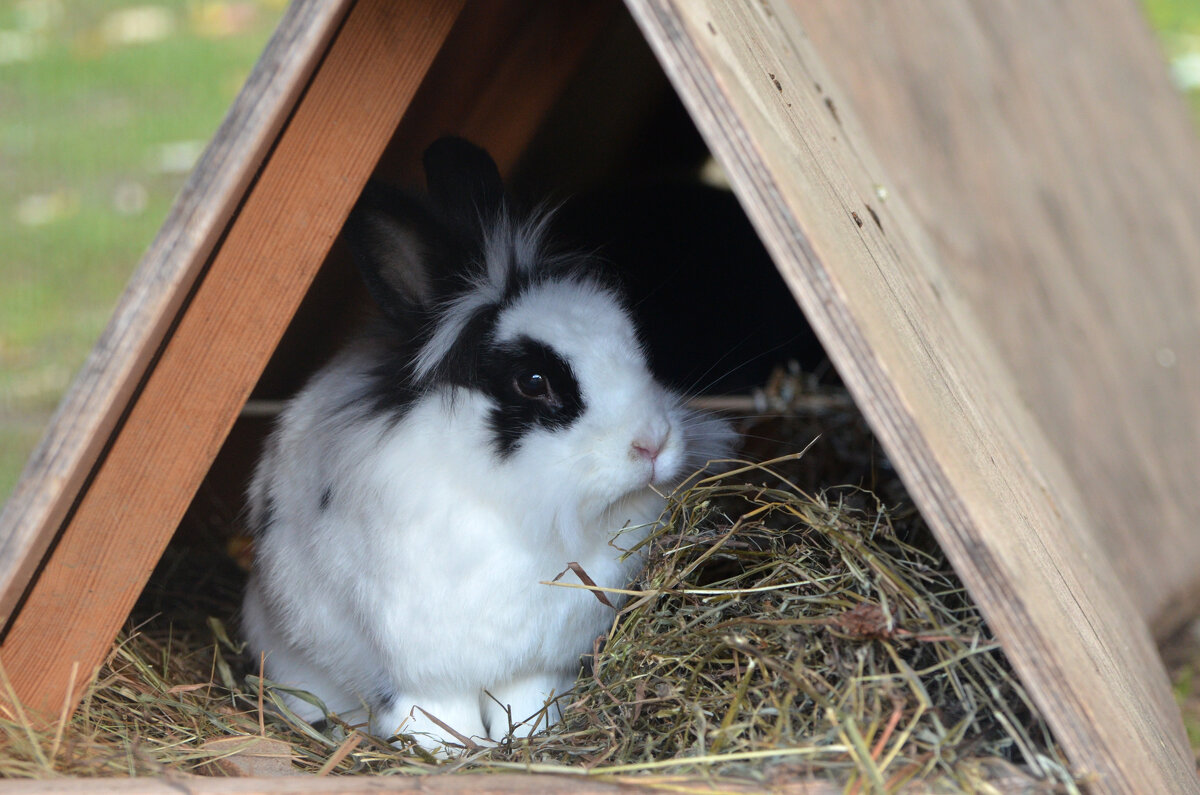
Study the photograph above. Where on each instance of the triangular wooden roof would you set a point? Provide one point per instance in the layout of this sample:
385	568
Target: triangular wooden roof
996	236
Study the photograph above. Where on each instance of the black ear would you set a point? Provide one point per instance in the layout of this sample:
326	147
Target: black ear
405	253
464	184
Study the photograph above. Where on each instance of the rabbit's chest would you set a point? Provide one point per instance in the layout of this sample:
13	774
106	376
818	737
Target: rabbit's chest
462	594
551	622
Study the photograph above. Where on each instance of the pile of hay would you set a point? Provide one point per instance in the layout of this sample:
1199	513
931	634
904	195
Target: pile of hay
780	629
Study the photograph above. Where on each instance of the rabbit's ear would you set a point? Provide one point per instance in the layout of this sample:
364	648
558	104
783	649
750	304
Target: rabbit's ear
465	184
402	251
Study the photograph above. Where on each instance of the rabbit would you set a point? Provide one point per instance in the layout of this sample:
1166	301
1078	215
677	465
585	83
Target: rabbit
497	423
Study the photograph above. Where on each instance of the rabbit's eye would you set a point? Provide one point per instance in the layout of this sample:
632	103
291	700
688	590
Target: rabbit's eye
532	385
532	390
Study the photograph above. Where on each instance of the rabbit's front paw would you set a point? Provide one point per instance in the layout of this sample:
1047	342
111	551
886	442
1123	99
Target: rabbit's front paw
444	727
526	704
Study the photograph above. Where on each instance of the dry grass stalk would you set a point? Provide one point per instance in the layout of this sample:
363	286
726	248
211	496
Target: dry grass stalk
777	630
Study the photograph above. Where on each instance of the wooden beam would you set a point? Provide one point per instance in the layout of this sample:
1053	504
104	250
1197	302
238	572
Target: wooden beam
926	376
1057	172
89	413
212	357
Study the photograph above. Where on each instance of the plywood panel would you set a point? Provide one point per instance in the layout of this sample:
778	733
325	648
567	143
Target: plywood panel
1057	174
933	387
92	407
207	365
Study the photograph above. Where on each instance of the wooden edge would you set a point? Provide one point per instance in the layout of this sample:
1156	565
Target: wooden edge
91	409
216	352
474	784
997	498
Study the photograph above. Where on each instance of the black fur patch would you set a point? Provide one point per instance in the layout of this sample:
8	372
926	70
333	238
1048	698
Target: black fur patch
516	412
326	496
464	183
265	518
391	389
464	361
474	361
384	698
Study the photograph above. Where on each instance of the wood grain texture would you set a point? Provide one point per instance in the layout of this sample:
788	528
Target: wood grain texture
995	493
92	407
220	344
500	72
495	784
1057	174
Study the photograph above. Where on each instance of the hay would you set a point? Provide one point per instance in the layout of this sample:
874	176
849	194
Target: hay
802	630
780	629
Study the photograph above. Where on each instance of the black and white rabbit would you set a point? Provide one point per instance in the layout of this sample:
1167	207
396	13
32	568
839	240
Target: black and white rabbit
497	423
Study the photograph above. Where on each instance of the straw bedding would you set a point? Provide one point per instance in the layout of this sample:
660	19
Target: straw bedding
794	619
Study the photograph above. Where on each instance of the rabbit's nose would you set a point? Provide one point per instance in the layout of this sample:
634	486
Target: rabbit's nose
649	446
648	450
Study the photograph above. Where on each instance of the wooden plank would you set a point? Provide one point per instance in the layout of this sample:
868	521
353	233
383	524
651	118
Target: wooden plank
1060	186
501	70
215	353
493	784
993	490
91	409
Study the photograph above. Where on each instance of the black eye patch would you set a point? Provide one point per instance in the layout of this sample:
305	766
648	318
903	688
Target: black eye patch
533	387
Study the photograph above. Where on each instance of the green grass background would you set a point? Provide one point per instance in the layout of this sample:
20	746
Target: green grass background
101	108
93	112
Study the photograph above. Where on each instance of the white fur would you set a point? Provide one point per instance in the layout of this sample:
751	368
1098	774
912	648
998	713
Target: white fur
422	576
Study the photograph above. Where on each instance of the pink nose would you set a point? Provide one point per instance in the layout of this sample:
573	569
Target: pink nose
649	450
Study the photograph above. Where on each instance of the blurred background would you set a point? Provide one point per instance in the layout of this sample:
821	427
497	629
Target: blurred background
104	107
